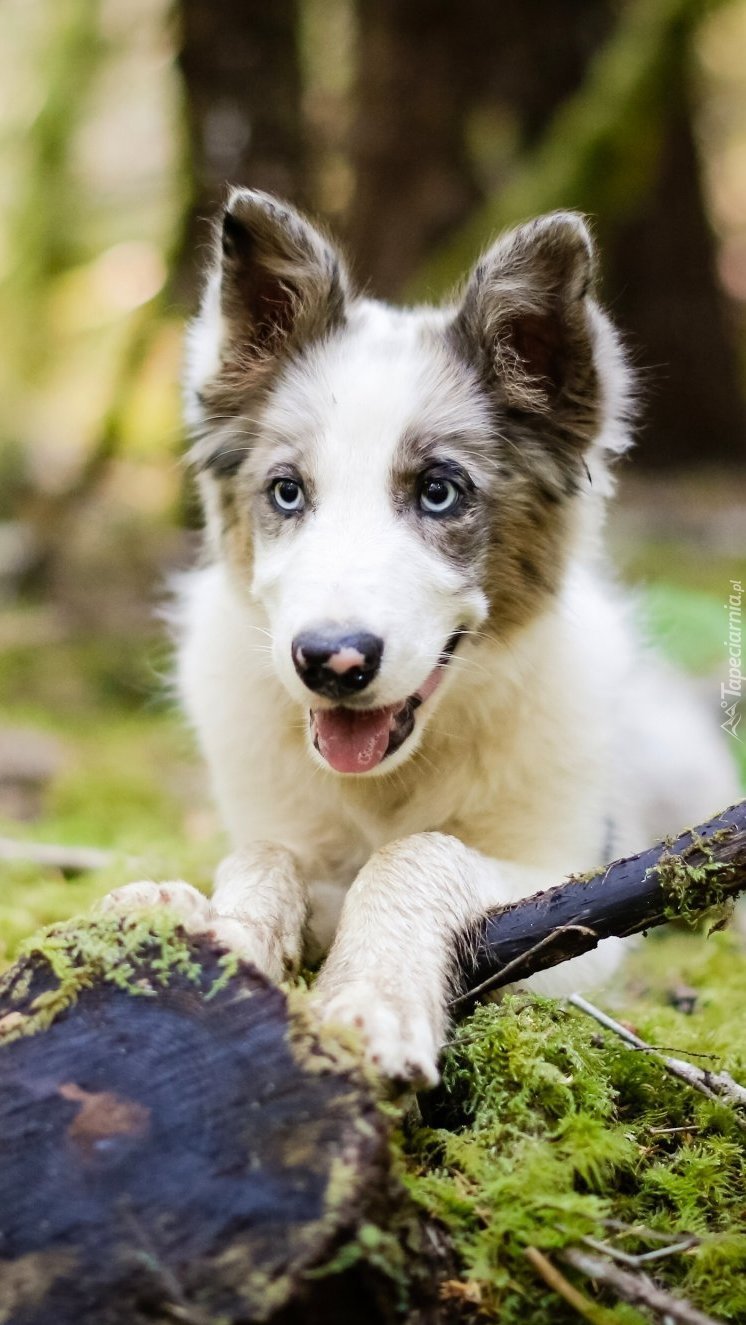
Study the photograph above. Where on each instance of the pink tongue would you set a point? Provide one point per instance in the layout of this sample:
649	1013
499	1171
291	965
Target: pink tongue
353	742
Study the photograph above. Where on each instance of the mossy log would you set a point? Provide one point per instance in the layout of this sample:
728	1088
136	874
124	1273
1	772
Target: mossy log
175	1145
179	1142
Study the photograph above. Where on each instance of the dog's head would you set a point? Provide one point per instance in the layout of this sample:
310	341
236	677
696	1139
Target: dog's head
391	484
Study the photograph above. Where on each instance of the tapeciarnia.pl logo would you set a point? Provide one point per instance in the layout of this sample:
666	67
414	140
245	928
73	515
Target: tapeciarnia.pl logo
731	691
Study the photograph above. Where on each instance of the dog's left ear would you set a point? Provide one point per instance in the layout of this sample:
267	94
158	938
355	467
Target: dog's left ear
526	323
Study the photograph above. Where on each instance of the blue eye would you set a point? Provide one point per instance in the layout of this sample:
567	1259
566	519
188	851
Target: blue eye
288	495
438	496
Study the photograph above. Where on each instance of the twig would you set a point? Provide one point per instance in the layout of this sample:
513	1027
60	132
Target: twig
714	1085
71	860
557	1281
664	1131
641	1258
669	1048
640	1231
636	1288
500	977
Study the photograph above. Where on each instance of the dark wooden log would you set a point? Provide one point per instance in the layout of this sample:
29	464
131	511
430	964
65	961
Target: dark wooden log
170	1153
702	868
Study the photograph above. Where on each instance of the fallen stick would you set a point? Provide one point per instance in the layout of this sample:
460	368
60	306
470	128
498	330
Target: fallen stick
555	1280
637	1289
70	860
703	868
714	1085
643	1257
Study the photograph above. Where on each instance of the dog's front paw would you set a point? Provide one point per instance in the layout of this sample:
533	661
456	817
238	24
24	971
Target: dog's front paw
399	1038
254	943
193	909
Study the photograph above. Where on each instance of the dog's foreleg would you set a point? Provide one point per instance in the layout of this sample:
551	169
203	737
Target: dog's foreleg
392	964
391	971
258	907
261	904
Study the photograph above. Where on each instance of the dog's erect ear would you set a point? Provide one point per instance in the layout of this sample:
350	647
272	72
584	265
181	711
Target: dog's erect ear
281	282
277	286
525	322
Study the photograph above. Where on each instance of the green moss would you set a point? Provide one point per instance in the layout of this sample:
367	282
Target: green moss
693	879
545	1130
128	782
138	953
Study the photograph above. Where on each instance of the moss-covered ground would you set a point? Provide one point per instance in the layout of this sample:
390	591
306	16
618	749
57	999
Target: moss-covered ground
547	1130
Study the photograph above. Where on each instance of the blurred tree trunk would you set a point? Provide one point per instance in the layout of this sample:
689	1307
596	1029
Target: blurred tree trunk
540	53
243	86
417	67
663	289
424	68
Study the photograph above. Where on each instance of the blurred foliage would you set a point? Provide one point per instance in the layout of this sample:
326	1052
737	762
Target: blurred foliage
92	188
95	184
602	145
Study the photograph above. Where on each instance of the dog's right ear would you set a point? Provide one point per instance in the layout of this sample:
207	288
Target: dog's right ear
281	282
278	286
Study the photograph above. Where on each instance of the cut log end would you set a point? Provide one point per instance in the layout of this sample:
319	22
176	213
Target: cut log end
176	1147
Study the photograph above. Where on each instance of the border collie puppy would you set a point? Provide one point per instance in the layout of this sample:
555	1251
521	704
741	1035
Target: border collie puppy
418	692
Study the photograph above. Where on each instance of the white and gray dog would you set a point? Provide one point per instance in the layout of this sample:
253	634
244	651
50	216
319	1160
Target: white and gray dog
418	694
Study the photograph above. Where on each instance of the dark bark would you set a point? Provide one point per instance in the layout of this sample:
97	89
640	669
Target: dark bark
424	70
628	896
242	82
174	1157
659	255
420	66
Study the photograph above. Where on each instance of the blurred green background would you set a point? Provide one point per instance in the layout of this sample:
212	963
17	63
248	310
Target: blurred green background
415	130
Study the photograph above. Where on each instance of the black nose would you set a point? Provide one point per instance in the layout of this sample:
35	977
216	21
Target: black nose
336	666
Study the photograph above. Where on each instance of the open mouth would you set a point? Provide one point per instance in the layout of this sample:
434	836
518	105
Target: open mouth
357	740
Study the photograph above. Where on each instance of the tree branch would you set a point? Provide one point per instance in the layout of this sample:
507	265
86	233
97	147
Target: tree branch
636	1288
703	868
70	860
